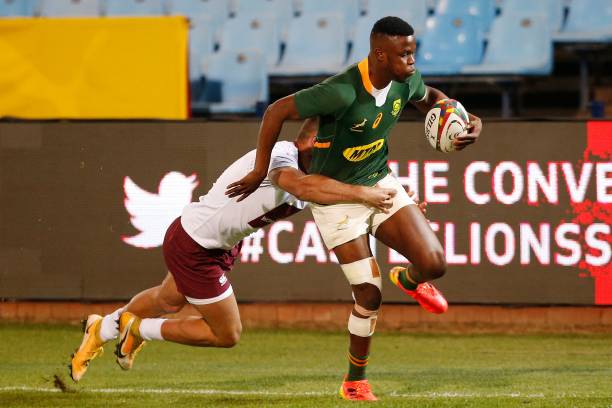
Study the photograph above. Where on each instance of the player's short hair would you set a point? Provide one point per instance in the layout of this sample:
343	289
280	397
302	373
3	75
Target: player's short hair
392	26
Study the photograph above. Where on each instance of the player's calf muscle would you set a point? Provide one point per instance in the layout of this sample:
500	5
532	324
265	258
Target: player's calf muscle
431	266
168	307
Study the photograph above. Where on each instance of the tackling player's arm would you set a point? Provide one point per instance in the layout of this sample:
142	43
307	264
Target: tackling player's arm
324	190
325	98
432	95
274	117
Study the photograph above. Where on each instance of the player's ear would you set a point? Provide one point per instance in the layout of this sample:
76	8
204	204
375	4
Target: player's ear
380	55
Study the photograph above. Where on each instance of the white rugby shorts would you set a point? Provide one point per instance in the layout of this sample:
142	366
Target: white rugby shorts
340	223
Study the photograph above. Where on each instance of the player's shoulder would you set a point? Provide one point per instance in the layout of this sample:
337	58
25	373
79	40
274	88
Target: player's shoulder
346	83
285	151
284	147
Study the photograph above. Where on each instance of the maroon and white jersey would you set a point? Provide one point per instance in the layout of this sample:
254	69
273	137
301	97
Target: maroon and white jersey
217	221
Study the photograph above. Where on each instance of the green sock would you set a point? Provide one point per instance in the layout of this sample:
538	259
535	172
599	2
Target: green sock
357	367
407	283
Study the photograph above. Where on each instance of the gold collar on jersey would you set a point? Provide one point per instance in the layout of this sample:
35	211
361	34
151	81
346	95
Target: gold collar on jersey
365	75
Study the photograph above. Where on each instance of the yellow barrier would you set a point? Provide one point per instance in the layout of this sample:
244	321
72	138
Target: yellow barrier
94	68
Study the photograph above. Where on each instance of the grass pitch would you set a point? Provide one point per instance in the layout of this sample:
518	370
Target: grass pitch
304	369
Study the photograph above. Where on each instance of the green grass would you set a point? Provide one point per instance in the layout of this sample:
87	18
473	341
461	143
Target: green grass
281	368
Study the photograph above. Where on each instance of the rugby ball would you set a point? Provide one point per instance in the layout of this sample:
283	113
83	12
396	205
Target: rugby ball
444	122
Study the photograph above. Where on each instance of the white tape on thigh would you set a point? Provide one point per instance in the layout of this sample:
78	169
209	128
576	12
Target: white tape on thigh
363	271
362	327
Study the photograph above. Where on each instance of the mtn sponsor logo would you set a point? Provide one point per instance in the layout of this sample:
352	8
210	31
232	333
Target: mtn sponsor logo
359	153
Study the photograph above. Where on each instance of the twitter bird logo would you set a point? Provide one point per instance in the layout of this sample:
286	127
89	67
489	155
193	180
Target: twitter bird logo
152	213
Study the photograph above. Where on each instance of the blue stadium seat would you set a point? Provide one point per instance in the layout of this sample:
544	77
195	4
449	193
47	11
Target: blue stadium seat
17	8
533	56
413	11
551	8
134	7
200	45
448	44
361	38
282	9
243	81
70	8
215	9
349	9
315	46
483	10
254	32
431	5
588	21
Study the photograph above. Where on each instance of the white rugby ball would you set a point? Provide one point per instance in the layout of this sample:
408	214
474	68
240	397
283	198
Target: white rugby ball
444	122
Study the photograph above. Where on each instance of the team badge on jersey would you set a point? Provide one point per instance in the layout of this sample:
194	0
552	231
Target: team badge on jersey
397	105
358	127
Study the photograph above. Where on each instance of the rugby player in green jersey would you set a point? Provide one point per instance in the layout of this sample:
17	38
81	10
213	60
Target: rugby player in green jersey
357	109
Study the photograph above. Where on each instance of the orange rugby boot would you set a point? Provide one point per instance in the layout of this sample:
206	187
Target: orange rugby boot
357	390
130	342
426	294
90	348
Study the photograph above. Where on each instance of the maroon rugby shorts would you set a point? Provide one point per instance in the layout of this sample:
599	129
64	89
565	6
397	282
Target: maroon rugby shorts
199	272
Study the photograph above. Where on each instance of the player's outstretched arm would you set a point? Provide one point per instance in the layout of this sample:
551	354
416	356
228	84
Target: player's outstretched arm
271	125
324	190
432	95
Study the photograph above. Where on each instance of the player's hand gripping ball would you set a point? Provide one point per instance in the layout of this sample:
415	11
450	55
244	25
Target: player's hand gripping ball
444	122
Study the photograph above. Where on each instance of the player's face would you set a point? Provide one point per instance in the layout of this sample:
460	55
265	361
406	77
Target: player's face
400	51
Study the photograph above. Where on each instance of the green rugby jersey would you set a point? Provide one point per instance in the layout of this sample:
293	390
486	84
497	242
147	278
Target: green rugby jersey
351	144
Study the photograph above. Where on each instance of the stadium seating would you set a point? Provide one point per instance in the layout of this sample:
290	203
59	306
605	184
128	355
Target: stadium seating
70	8
200	45
551	8
483	10
519	44
251	31
316	45
413	11
243	81
216	11
361	38
17	8
282	9
134	7
448	44
348	9
588	21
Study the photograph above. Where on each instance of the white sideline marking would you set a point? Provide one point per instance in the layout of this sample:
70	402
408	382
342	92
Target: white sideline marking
438	395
